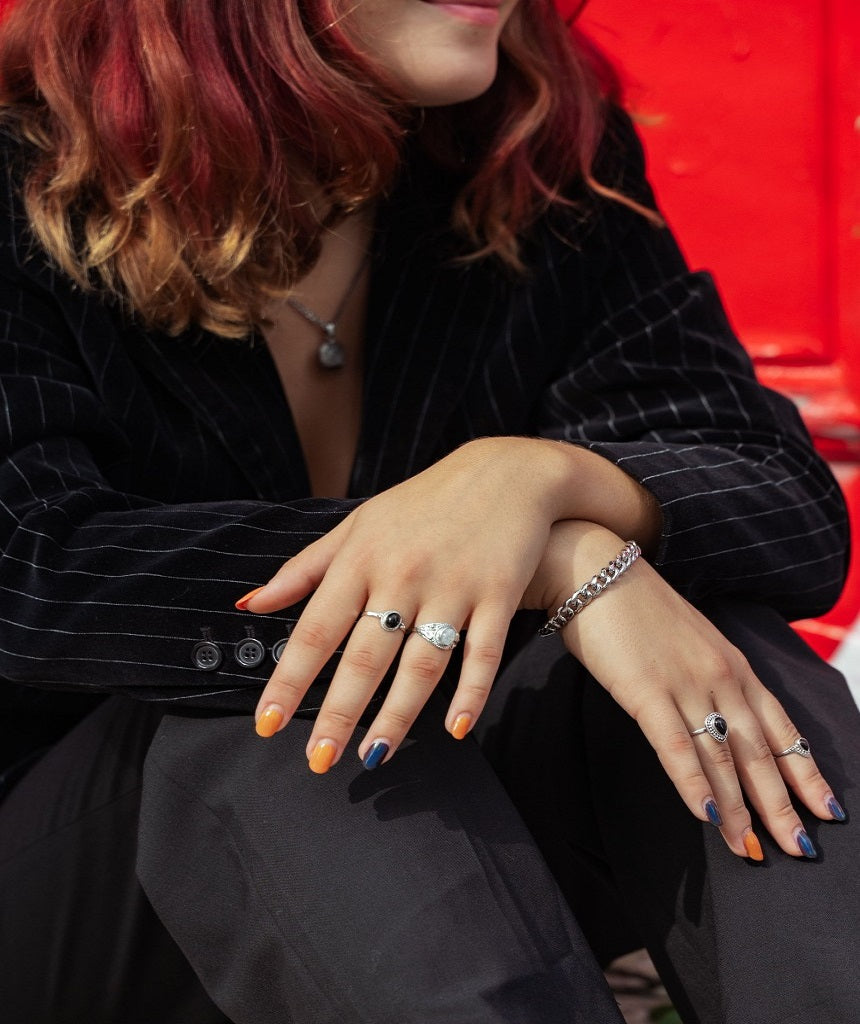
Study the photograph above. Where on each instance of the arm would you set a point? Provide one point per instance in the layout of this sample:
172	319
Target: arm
105	583
658	386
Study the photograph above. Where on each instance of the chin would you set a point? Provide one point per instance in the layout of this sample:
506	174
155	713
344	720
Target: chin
446	90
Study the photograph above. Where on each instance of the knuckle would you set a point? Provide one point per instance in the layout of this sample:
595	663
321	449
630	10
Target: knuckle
395	721
816	780
312	633
719	666
411	573
362	661
690	779
783	810
759	755
424	669
340	719
282	689
734	807
486	654
472	692
787	733
677	743
722	757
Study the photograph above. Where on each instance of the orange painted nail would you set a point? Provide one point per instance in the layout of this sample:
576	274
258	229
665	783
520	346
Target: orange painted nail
270	721
322	757
462	725
753	846
242	603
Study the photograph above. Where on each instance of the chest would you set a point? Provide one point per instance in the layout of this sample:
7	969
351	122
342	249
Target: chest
435	356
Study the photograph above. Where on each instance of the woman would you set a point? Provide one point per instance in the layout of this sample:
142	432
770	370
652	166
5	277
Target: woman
425	227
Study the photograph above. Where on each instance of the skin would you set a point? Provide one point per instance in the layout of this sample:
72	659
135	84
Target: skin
435	54
508	523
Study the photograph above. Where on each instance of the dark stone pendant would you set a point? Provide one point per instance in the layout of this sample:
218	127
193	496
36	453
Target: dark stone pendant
330	354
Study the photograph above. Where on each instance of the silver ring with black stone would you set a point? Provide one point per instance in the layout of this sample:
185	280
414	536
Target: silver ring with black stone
715	726
391	621
800	746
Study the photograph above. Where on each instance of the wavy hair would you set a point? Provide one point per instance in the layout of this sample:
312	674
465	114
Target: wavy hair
181	149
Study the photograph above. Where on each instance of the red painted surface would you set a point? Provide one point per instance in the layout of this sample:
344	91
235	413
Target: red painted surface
750	117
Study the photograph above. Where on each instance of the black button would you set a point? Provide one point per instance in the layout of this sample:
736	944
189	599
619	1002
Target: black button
278	649
206	656
249	653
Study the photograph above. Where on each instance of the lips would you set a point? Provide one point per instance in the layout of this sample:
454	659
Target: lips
480	12
493	4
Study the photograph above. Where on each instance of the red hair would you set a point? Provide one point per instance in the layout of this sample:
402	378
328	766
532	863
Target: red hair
182	147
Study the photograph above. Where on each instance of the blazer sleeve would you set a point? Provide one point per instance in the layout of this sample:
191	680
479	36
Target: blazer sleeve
103	589
657	382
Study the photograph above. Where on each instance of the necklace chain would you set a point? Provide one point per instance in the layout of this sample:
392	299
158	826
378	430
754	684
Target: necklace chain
330	352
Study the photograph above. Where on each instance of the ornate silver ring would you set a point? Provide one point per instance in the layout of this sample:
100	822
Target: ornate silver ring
716	726
441	634
390	621
800	746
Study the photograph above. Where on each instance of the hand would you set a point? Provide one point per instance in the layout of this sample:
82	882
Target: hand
669	667
457	543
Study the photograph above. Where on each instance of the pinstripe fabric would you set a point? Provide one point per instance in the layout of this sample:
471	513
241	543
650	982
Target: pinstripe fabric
146	482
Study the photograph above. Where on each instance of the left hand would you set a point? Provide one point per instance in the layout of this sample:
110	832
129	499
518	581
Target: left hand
669	667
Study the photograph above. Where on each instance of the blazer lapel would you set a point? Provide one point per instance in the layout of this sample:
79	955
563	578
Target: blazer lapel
234	390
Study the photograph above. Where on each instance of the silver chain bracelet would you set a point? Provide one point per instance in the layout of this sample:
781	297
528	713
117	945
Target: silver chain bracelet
594	588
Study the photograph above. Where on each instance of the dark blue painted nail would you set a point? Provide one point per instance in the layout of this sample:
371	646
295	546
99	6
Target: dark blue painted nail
713	813
836	809
375	755
805	843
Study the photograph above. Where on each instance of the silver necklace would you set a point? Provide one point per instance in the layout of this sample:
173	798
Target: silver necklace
330	352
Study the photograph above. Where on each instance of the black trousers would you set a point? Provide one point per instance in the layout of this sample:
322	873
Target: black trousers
416	893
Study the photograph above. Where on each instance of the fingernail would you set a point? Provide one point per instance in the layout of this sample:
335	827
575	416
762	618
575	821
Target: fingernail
375	754
753	846
269	721
242	603
321	759
713	812
461	726
835	808
807	847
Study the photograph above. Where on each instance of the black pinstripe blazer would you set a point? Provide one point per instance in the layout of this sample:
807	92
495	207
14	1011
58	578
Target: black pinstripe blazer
146	482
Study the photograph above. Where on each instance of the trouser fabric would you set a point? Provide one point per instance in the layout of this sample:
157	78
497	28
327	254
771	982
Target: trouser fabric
415	893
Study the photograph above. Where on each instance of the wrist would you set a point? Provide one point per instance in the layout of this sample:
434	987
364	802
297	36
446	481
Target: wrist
592	588
588	487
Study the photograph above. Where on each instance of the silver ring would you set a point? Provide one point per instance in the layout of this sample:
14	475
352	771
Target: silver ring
441	634
800	746
716	726
390	621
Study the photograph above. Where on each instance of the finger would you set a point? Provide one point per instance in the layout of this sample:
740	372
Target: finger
297	577
372	647
684	761
717	756
482	654
422	664
793	756
763	783
328	617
